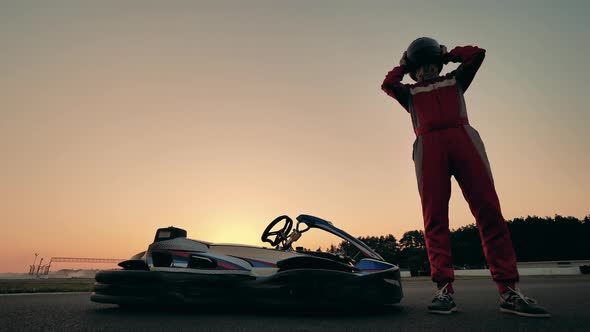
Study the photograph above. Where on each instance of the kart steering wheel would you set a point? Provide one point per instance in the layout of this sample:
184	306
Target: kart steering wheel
280	235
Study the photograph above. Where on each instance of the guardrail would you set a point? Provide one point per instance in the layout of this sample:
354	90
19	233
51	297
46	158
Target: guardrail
542	268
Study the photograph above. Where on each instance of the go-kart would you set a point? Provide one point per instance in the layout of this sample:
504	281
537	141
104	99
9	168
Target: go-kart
175	270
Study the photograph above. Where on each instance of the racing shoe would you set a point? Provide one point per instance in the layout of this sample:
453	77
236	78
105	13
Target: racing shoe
442	302
514	302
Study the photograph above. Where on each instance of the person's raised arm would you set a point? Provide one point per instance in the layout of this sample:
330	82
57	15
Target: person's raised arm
470	58
393	86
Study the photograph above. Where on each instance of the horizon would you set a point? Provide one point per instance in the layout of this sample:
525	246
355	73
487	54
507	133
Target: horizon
218	116
322	246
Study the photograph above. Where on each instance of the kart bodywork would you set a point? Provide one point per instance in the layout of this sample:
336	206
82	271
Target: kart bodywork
176	270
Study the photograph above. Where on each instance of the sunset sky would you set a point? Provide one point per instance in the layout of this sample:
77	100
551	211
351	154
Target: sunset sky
119	117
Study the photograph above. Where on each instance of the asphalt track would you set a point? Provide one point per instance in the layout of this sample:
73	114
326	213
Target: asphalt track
568	299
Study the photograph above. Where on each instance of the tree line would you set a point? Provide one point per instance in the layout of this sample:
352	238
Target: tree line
534	239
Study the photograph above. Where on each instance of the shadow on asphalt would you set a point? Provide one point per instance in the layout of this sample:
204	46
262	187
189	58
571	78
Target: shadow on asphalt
275	311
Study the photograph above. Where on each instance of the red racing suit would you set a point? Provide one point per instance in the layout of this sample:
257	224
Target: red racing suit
446	145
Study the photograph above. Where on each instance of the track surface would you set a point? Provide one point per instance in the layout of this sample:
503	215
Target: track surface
568	299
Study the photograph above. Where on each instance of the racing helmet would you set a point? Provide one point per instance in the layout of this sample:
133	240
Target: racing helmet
423	50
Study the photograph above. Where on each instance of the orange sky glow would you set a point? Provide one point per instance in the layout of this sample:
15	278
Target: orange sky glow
218	116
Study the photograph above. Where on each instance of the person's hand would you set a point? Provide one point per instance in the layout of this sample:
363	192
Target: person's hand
404	60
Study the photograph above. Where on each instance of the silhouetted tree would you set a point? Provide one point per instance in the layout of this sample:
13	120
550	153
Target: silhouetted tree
466	247
534	239
558	238
413	253
386	246
413	239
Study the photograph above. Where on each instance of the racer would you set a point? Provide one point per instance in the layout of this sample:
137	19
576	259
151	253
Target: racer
446	145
